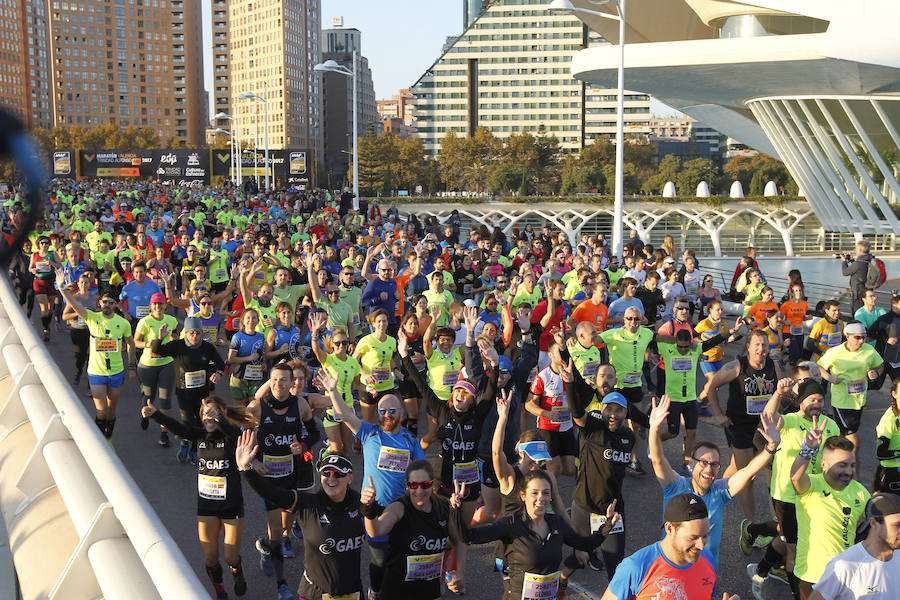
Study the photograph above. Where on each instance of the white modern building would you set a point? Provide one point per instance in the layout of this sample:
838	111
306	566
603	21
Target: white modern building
815	83
509	72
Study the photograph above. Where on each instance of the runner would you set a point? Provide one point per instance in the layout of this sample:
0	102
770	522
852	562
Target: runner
887	476
794	310
42	266
156	373
78	329
827	332
220	501
283	339
378	367
110	335
245	355
135	296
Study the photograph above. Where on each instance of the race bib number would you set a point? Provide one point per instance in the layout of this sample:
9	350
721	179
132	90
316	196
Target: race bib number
253	372
142	311
450	377
560	415
106	345
756	404
79	323
857	386
833	339
598	521
381	375
43	267
353	596
632	378
393	459
532	375
220	273
683	364
540	587
467	288
209	334
796	329
424	568
418	362
211	487
278	466
590	369
194	379
356	318
692	288
466	472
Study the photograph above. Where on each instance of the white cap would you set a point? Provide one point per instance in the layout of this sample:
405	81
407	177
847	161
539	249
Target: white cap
469	302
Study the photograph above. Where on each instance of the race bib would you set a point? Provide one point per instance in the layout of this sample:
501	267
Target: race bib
540	587
333	416
632	378
381	375
393	459
79	323
450	377
466	472
209	334
598	521
353	596
43	267
106	345
194	379
220	273
692	289
253	372
833	339
142	311
560	415
356	318
590	369
857	386
467	288
211	487
278	466
418	362
682	364
424	568
532	375
796	329
756	404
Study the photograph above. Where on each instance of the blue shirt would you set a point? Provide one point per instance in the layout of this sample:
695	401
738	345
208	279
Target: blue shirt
649	574
139	296
389	478
157	235
371	297
716	499
617	309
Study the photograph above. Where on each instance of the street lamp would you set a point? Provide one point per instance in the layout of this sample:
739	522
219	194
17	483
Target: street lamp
265	101
231	140
332	66
566	7
235	141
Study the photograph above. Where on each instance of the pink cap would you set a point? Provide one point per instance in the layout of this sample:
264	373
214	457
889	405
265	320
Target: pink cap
157	297
465	385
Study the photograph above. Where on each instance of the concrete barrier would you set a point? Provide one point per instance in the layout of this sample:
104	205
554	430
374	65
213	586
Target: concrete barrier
78	525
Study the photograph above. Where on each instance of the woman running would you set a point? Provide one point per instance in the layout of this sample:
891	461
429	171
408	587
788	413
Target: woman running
283	340
329	519
42	266
156	373
887	476
245	355
220	501
375	354
412	400
345	369
794	311
78	329
707	294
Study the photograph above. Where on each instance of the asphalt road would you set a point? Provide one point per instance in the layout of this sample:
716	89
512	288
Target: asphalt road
171	489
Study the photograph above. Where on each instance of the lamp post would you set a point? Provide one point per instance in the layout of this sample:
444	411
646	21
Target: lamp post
231	141
264	99
235	142
331	66
566	7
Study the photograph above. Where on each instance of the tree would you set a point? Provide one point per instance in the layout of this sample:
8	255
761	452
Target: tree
669	168
388	162
692	173
505	178
583	180
629	173
368	163
411	163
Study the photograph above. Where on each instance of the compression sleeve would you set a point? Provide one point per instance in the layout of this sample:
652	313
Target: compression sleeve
883	450
177	427
579	394
501	529
280	497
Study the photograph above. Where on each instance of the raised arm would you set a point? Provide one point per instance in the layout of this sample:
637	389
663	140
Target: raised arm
771	430
328	384
665	475
809	448
68	294
506	476
317	322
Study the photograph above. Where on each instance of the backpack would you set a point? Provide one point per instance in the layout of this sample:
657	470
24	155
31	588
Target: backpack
876	274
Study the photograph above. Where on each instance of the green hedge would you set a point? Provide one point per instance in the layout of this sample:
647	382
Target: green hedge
714	201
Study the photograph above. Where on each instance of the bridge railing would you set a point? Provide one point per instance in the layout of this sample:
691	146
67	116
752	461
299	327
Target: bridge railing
120	548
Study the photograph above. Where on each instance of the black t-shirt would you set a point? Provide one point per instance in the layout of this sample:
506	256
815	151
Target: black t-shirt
203	357
750	389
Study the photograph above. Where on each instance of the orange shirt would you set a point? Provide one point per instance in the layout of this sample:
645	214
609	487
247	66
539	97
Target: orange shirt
596	314
401	280
758	312
794	314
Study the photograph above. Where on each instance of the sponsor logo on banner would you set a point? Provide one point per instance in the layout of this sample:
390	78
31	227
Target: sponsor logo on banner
62	163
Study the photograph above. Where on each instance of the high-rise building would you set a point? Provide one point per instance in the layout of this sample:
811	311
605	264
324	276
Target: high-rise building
684	129
137	63
268	48
471	10
25	62
509	72
399	106
340	43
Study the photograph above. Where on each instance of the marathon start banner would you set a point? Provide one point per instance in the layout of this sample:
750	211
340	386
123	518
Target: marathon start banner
288	167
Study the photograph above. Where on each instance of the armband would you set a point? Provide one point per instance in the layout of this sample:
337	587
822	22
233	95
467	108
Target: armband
371	511
772	452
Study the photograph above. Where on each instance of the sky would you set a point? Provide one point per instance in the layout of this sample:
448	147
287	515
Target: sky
400	39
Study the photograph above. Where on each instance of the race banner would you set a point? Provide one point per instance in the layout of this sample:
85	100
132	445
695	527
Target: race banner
117	163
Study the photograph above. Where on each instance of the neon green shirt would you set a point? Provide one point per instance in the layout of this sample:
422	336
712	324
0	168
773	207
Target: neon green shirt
851	367
290	294
443	371
442	299
626	353
681	371
375	359
522	295
107	341
149	325
889	427
265	312
217	267
586	360
339	314
792	435
345	371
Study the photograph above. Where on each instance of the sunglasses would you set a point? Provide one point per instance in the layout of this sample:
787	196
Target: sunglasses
205	303
388	411
681	308
332	473
632	318
414	485
340	343
332	292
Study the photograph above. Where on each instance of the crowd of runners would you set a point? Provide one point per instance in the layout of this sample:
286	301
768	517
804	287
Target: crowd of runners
293	333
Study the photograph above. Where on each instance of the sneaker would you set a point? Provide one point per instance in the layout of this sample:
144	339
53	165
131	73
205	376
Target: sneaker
373	595
287	550
46	335
265	560
193	456
184	451
745	538
296	530
684	470
596	563
145	423
756	582
285	593
762	541
780	574
703	410
240	583
635	468
163	439
77	378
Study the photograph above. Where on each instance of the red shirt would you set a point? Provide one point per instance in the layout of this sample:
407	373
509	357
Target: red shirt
539	311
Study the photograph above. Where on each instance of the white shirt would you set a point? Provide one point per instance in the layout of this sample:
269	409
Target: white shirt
640	276
854	574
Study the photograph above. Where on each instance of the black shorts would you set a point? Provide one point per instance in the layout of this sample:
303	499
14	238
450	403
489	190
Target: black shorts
560	443
366	398
847	419
887	479
225	510
488	476
740	436
634	395
786	515
218	288
688	410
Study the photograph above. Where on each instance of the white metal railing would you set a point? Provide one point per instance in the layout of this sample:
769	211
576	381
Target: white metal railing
123	549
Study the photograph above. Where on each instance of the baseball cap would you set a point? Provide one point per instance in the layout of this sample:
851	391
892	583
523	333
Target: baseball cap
505	364
536	451
685	507
469	302
614	398
192	323
854	329
339	463
883	504
158	297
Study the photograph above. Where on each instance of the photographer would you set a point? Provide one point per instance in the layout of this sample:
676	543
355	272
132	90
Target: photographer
857	269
